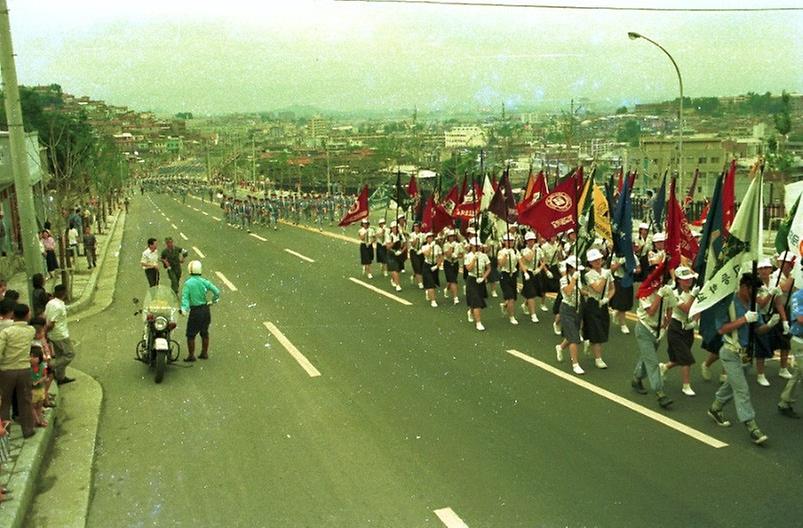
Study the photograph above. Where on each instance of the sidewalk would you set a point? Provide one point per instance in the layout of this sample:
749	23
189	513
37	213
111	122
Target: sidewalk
60	491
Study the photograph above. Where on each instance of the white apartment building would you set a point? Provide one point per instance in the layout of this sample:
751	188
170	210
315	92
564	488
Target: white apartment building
465	137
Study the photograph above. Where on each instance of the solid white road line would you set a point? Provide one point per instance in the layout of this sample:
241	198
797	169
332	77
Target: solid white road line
205	213
183	235
200	254
449	518
299	255
216	218
258	237
381	292
649	413
226	281
298	356
174	226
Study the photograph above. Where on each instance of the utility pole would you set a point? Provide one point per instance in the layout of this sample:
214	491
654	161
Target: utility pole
19	153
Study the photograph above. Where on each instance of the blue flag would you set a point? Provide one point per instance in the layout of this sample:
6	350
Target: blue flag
622	227
711	241
658	206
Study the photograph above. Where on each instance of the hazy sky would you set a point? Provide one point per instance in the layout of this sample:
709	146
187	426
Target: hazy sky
237	55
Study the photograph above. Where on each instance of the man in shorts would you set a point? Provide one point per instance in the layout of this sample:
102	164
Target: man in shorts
194	302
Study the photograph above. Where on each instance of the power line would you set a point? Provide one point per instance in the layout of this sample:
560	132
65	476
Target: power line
583	8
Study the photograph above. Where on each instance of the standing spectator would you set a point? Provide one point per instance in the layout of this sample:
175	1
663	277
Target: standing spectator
150	263
126	201
39	297
90	247
49	243
3	287
72	241
74	219
59	334
15	368
172	258
5	454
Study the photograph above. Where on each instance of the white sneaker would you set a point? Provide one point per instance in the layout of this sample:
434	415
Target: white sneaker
556	328
705	371
479	327
513	321
578	369
784	373
434	304
420	285
600	364
370	276
534	318
762	380
494	294
502	308
544	308
470	319
398	288
625	329
412	279
559	353
456	300
385	273
688	391
662	369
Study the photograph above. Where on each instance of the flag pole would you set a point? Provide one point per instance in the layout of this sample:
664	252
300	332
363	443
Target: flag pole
753	297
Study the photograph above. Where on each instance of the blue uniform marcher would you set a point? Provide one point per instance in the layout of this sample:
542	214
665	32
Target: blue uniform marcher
194	300
796	327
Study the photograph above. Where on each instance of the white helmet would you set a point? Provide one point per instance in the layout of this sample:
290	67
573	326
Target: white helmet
195	267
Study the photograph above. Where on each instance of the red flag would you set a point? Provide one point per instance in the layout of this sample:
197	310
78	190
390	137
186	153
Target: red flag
653	282
703	215
621	181
690	196
463	190
450	201
687	244
673	234
632	183
537	192
729	197
556	212
435	217
429	212
412	187
358	211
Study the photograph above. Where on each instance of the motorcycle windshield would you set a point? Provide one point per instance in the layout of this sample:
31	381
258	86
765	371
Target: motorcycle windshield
161	300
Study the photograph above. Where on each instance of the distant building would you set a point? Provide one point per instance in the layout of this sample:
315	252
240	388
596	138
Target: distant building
465	137
318	127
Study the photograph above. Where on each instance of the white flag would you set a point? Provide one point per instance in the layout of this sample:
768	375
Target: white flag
487	194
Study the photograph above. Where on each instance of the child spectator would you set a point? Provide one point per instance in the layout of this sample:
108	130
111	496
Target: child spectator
38	380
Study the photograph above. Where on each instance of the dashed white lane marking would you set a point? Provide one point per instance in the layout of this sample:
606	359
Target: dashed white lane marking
381	292
259	237
196	209
183	235
174	226
200	254
205	213
216	218
299	255
449	518
298	356
624	402
189	206
226	281
167	218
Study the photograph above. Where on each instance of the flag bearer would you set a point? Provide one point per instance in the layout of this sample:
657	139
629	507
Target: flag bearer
596	317
571	285
533	268
366	236
453	253
508	266
433	260
479	267
649	332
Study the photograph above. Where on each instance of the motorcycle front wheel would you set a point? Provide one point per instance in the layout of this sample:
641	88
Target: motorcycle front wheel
161	365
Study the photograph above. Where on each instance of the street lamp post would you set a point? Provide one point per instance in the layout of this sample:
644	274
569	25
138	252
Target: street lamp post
633	36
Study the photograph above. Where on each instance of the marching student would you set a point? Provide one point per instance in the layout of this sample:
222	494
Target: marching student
622	300
680	334
416	259
533	268
781	335
641	247
453	252
734	328
571	287
366	236
658	252
765	306
394	247
479	268
596	317
492	250
652	322
508	265
381	251
433	260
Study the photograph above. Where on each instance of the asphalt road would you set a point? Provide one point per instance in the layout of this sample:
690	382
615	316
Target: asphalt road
414	411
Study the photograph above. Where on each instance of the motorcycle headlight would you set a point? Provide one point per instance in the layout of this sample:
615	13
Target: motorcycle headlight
160	323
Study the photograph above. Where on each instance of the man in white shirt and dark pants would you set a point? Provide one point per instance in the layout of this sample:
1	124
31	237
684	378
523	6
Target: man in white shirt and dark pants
150	263
59	335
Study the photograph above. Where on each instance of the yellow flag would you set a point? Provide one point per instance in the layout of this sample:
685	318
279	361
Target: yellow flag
602	217
581	203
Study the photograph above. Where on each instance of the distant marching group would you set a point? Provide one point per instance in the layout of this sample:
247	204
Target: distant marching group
589	296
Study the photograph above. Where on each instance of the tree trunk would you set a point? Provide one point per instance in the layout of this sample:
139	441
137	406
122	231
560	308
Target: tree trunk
65	263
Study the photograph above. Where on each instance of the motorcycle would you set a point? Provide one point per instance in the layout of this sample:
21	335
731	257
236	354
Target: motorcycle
156	348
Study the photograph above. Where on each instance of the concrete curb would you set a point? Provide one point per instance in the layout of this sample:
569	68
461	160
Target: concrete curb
25	471
88	294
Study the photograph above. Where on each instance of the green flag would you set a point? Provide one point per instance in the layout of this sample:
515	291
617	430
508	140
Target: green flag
744	243
782	237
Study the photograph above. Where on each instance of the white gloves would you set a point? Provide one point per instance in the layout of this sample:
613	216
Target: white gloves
549	274
670	301
695	291
774	320
527	275
786	329
434	268
750	316
666	291
604	301
397	253
691	325
480	279
606	274
576	276
776	291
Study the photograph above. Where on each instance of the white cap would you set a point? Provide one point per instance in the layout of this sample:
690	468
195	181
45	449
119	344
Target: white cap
450	232
570	231
572	261
429	234
659	237
470	230
513	225
394	224
381	220
593	254
644	225
401	216
683	272
508	237
364	221
764	263
475	242
529	235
